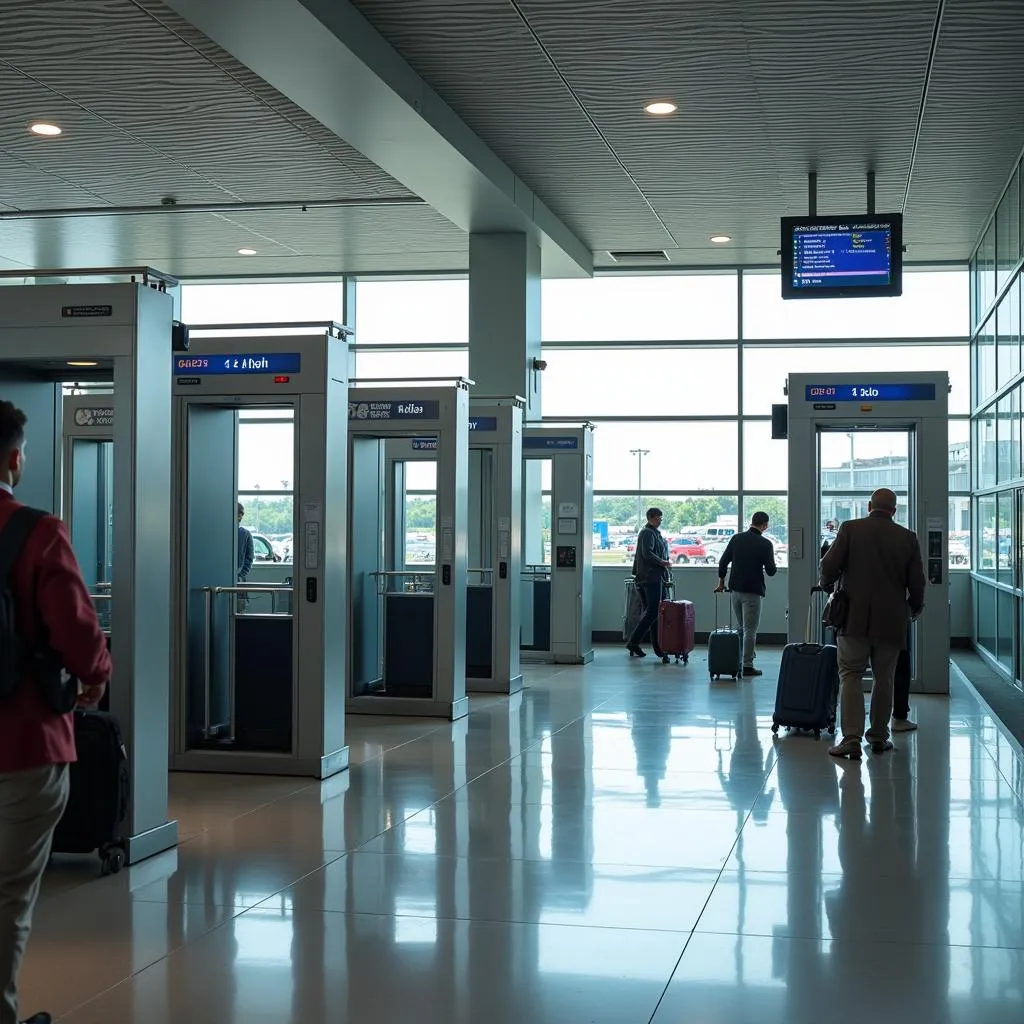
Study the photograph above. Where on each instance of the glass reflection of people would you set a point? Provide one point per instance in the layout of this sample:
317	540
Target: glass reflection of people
746	762
246	555
650	570
652	740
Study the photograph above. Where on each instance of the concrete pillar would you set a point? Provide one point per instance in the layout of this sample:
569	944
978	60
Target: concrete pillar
504	318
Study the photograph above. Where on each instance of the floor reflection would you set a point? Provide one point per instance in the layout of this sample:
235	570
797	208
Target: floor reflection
616	844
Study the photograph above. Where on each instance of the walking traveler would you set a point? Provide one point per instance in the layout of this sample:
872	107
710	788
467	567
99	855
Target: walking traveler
650	570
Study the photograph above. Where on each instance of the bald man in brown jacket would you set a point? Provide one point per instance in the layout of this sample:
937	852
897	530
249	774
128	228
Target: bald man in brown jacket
879	563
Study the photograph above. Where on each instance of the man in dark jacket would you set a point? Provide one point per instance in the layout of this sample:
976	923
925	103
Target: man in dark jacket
880	565
37	745
752	556
650	569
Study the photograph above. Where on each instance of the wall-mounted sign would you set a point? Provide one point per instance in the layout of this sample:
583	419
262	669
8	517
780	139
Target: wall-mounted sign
424	444
94	416
71	312
560	444
489	423
403	409
240	363
869	393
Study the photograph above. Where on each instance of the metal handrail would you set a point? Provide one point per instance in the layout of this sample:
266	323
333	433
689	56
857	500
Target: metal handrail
146	273
256	588
462	383
101	597
331	325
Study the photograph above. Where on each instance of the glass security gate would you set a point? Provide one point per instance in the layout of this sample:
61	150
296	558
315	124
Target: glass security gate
854	461
239	623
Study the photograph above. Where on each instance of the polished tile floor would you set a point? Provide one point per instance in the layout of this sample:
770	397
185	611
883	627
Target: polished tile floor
622	843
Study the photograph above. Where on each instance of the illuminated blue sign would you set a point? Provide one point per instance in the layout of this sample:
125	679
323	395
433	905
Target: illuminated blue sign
247	362
561	444
869	393
403	409
489	423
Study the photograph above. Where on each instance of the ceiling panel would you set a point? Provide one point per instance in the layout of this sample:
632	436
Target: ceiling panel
767	90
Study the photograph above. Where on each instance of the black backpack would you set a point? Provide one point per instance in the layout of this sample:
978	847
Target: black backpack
12	655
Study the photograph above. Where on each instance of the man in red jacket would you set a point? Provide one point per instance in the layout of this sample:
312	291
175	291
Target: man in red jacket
36	745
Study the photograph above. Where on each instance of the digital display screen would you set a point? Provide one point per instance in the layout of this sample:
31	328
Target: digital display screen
869	393
842	256
249	362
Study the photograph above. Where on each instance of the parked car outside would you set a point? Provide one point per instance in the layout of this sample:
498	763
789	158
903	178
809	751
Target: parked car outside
263	549
681	550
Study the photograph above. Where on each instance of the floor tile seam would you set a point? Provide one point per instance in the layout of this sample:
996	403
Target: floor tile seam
703	910
146	967
456	919
873	940
341	855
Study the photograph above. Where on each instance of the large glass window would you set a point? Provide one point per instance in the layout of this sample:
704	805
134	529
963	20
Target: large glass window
1008	230
697	527
1006	605
1008	335
617	308
985	536
777	508
959	456
985	362
934	304
985	616
448	363
987	269
765	460
1007	438
640	381
676	456
766	367
1004	537
266	480
986	448
412	312
269	302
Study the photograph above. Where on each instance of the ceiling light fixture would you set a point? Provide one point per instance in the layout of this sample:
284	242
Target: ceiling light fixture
81	362
246	252
721	239
661	107
46	129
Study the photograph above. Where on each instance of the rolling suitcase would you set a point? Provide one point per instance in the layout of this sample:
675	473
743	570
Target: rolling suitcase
808	683
99	791
725	652
675	630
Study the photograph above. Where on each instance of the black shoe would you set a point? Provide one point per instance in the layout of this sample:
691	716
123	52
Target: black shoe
751	671
635	651
39	1018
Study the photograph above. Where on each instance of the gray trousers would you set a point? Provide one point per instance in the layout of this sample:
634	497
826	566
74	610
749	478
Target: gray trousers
854	654
747	609
31	803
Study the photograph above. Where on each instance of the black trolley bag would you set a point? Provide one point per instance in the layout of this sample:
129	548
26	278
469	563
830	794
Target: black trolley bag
725	649
808	682
99	792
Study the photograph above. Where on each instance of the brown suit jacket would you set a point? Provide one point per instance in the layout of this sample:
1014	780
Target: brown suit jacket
880	565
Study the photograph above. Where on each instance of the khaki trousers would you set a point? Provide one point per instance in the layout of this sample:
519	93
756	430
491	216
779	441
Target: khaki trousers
31	803
854	654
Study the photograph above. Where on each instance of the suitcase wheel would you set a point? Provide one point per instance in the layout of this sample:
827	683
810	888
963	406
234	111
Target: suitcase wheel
817	734
831	730
685	659
111	860
775	728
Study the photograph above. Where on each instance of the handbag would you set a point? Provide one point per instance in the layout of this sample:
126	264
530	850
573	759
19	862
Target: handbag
837	608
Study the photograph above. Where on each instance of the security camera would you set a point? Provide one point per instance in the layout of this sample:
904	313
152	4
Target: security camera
539	364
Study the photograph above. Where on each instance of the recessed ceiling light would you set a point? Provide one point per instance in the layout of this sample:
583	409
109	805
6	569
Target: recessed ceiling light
246	252
721	239
81	362
661	107
44	128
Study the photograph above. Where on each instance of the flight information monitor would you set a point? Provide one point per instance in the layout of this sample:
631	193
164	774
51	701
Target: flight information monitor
909	392
842	257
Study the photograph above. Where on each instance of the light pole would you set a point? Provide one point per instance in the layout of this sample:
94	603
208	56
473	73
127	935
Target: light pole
639	453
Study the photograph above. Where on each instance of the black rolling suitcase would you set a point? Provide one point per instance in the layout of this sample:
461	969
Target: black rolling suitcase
725	650
99	792
808	682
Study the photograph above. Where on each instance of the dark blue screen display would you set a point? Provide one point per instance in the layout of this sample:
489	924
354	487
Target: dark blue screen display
249	362
842	255
869	393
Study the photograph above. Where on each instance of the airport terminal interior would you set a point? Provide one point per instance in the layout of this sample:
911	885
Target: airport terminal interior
431	301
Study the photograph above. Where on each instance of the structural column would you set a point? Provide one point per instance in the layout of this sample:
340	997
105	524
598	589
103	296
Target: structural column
504	318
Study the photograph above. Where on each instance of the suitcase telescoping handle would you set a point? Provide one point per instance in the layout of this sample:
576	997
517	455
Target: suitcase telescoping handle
728	601
811	603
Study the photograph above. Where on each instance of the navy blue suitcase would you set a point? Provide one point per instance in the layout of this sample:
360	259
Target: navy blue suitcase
808	685
725	650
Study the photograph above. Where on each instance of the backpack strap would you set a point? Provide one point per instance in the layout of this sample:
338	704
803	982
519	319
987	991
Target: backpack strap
13	537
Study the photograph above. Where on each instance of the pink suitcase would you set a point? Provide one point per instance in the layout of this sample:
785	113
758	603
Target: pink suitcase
675	629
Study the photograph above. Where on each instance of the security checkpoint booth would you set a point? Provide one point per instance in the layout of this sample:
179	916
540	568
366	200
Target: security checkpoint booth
119	331
407	597
259	666
557	574
848	434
